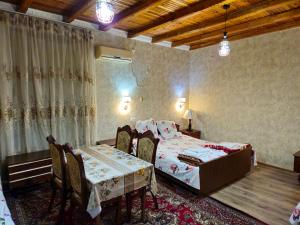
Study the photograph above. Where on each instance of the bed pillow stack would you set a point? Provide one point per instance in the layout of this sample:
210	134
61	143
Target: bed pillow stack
167	129
144	125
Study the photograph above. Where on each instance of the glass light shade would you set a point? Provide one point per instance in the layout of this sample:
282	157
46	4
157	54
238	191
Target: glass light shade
126	99
105	12
188	114
224	47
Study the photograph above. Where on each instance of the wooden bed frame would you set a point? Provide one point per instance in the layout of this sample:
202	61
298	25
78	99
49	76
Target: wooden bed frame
220	172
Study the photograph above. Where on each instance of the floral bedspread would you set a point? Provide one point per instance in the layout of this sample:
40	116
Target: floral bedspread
5	216
112	173
168	150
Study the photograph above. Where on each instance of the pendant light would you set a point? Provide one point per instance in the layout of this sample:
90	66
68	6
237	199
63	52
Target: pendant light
224	46
104	11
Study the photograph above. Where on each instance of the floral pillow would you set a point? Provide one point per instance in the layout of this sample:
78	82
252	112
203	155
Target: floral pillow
167	129
144	125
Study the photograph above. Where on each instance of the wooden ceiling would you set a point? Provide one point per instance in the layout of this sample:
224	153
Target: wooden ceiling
197	23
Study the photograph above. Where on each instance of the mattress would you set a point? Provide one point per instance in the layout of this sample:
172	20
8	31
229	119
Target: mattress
5	216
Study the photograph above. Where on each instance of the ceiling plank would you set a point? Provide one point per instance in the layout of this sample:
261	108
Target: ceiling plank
24	5
78	9
295	13
134	10
185	12
254	32
252	9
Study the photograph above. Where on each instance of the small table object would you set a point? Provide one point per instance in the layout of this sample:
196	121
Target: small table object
110	142
193	133
297	163
28	169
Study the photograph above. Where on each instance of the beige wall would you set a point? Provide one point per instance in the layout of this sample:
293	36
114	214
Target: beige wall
158	74
251	96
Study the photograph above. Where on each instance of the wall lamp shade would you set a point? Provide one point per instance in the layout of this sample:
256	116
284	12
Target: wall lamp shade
125	104
181	102
126	99
104	11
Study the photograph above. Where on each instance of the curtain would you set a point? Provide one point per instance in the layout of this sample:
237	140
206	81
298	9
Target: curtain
47	84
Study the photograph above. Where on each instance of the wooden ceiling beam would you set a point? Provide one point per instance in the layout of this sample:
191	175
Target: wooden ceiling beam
78	9
250	10
134	10
254	32
24	5
292	14
185	12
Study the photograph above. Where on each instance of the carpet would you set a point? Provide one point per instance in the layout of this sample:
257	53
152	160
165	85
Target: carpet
176	206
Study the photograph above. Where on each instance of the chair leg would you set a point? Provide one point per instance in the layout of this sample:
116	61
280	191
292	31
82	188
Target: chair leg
128	205
118	211
155	200
62	207
71	210
143	198
54	189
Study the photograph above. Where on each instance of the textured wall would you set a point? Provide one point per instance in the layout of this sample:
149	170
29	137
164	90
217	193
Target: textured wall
158	74
251	96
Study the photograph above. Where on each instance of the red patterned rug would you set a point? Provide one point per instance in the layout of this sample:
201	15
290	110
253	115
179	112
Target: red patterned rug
176	206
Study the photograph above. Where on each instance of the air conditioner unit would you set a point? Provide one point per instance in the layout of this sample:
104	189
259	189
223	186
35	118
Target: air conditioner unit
107	53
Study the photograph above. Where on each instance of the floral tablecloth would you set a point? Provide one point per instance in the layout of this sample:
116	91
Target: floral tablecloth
112	173
5	216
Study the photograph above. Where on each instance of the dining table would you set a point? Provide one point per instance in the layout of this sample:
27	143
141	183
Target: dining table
111	173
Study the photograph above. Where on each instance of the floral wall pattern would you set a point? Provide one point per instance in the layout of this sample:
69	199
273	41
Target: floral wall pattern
251	96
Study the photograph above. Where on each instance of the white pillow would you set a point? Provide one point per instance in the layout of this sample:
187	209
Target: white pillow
167	129
144	125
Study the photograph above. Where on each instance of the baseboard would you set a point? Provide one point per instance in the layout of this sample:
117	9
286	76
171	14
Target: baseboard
276	167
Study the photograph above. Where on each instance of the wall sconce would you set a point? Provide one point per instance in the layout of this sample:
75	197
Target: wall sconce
180	104
125	103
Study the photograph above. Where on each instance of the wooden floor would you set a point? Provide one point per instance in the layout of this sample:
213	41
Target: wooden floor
268	194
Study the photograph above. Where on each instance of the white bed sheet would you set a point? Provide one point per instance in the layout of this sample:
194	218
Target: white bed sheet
167	161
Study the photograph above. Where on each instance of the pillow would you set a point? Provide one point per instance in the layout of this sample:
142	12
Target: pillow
167	129
144	125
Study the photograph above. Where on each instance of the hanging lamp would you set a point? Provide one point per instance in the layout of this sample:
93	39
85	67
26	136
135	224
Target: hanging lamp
104	11
224	46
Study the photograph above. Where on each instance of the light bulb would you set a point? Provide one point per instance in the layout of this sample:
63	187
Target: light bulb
105	12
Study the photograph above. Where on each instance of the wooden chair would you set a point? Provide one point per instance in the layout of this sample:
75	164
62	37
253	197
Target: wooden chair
124	139
146	150
59	176
81	193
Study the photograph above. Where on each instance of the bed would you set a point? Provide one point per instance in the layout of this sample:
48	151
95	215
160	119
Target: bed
5	216
214	172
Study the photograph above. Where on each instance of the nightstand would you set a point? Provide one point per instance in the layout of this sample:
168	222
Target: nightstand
297	163
29	169
193	133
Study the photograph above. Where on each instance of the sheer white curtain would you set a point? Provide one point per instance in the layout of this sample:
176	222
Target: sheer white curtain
47	83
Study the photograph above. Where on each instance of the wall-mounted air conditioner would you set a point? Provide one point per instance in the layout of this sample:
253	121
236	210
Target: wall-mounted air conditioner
107	53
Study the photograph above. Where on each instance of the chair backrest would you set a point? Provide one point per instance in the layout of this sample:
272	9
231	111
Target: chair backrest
147	146
58	160
77	176
124	139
